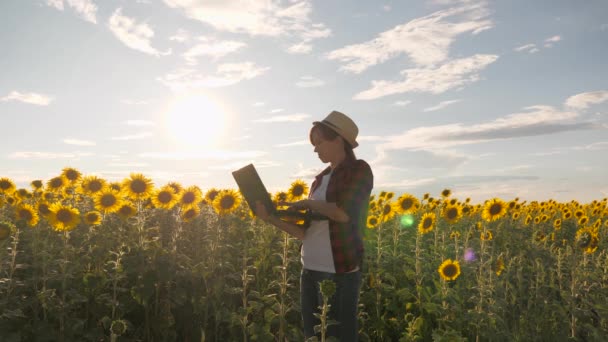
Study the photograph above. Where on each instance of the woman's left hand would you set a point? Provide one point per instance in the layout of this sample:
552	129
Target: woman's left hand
302	204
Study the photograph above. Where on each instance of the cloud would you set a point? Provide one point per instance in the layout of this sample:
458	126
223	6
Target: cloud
226	75
30	98
134	35
456	73
295	143
425	40
309	82
549	41
402	103
259	104
140	123
212	48
85	8
299	48
204	155
441	105
284	118
531	48
79	142
277	110
138	136
48	155
256	17
180	36
584	100
534	121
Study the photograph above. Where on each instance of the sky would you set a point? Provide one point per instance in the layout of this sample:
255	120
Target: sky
486	98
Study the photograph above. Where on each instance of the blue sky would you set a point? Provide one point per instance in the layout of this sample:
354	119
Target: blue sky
487	98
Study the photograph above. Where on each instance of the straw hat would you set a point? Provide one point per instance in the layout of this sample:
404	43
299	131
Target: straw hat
343	125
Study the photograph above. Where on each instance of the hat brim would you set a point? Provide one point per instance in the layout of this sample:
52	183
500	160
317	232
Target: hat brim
353	143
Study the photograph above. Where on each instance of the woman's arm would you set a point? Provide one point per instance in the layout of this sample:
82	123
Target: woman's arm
331	210
289	228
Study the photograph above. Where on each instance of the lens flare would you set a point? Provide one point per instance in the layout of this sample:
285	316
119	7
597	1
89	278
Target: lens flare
469	255
407	221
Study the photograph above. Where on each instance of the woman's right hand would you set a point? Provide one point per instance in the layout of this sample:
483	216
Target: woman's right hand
261	212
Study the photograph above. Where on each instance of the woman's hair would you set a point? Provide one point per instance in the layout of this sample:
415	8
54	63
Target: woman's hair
329	134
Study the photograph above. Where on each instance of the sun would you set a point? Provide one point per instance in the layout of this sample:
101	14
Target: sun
195	120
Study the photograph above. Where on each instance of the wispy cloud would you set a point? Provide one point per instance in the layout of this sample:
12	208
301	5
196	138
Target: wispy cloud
138	136
30	98
402	103
300	48
134	35
531	48
48	155
226	74
211	48
456	73
284	118
425	40
85	8
78	142
295	143
276	110
549	41
257	18
180	36
441	105
584	100
309	82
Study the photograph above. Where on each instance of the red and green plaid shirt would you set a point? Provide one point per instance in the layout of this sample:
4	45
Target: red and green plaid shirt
349	187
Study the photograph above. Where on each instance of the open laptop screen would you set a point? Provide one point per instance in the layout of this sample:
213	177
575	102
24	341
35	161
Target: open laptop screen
251	187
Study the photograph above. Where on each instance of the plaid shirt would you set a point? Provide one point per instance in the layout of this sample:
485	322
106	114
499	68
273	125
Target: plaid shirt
349	187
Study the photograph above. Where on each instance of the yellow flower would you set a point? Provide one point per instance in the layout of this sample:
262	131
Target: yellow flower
583	220
7	186
177	188
455	235
487	236
446	193
427	222
499	266
36	184
127	210
449	270
406	204
115	186
56	184
63	218
297	190
372	221
494	209
210	194
226	202
27	213
165	197
43	208
387	212
557	224
91	185
452	213
189	213
107	201
191	196
92	218
71	174
137	186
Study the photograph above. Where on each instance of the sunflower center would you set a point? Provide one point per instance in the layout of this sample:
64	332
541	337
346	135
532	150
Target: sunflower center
25	214
164	197
64	216
126	210
92	217
108	200
37	184
407	203
450	270
282	196
190	213
56	182
373	221
188	197
95	186
138	186
44	208
227	202
452	213
426	224
5	185
495	209
72	175
297	191
387	209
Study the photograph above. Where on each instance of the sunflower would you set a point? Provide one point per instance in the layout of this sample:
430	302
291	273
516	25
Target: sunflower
7	186
36	184
567	214
387	212
91	185
537	220
191	196
165	197
389	195
427	222
22	194
189	213
453	201
372	221
63	218
127	210
446	193
557	224
499	266
27	213
455	235
43	208
5	230
449	270
226	202
56	184
137	186
107	201
406	204
115	186
177	188
92	218
452	213
71	174
280	196
487	236
297	190
494	209
515	215
587	240
210	194
579	213
583	220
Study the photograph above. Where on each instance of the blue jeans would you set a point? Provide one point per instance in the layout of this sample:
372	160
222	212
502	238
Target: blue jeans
343	303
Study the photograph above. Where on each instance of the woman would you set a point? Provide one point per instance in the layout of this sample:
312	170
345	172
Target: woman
332	249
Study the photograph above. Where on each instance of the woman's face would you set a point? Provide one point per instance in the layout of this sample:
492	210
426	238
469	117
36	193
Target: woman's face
325	149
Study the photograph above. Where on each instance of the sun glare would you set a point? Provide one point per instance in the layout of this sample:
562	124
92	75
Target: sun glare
195	120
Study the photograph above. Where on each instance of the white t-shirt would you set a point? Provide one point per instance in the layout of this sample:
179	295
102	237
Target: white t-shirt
316	245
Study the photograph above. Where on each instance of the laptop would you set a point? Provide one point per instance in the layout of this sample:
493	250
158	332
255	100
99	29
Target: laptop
252	188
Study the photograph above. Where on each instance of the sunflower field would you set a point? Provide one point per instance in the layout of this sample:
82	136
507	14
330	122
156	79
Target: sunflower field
86	259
